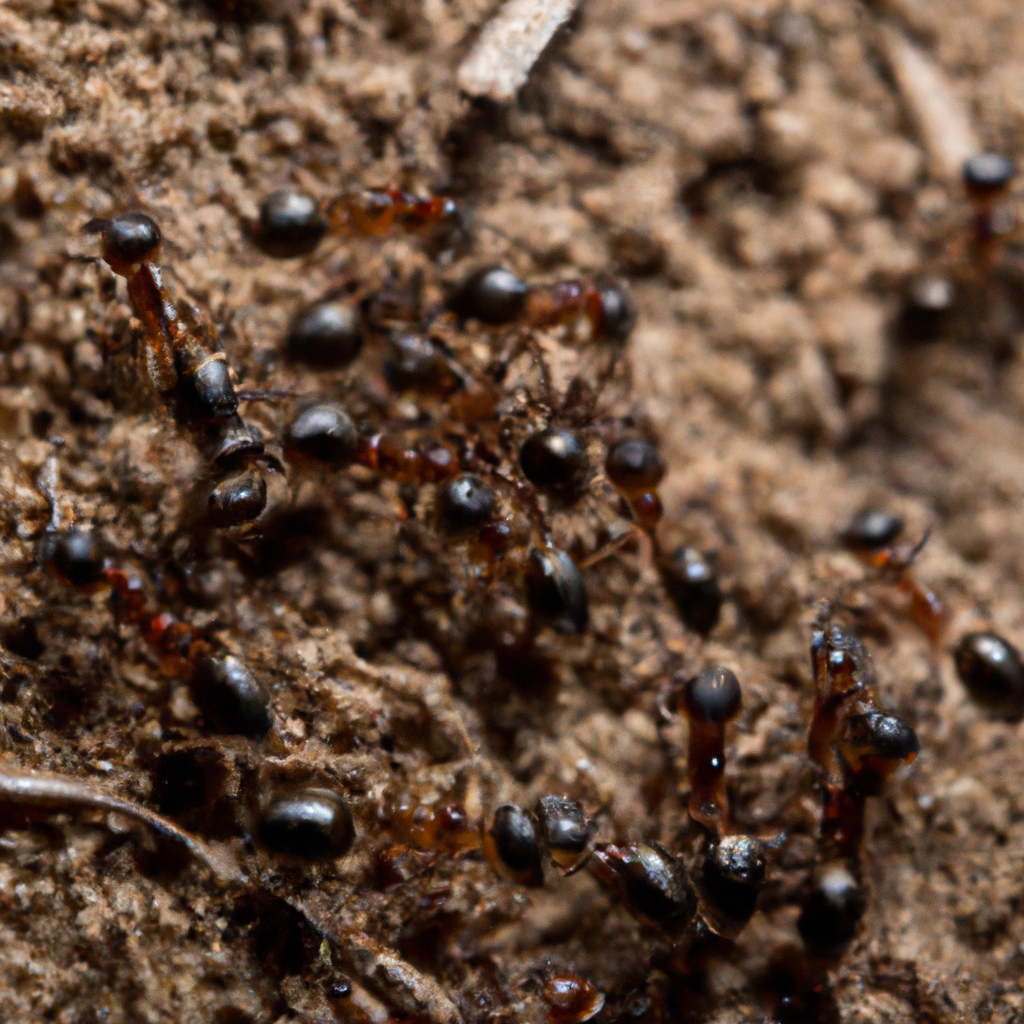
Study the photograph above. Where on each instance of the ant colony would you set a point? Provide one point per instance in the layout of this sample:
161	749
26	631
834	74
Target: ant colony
471	450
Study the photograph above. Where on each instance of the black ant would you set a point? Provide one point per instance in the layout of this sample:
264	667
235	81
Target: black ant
872	535
967	272
292	223
230	696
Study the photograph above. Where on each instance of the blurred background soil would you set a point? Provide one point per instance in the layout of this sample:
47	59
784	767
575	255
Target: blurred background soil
759	175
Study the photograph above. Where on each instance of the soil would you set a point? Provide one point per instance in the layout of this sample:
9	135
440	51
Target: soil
767	187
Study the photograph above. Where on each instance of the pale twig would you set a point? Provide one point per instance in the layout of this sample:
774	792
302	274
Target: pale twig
500	63
938	114
381	969
59	792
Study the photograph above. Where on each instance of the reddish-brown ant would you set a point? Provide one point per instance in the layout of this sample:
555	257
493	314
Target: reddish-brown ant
180	356
971	255
856	748
733	866
292	223
231	698
871	535
495	296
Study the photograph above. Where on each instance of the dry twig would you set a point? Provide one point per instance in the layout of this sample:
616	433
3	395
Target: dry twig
508	47
941	120
35	789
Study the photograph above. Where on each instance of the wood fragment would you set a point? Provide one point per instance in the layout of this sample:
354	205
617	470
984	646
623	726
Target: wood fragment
941	119
382	969
59	792
500	63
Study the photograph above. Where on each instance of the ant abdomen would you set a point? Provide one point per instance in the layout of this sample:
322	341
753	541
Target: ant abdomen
512	845
691	581
323	432
555	460
226	691
654	884
871	530
465	504
634	465
128	239
732	876
555	591
308	824
991	670
834	905
74	555
414	363
290	224
237	500
327	336
492	295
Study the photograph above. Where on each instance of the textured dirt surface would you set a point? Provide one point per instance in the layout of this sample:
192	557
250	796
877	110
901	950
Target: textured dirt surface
761	179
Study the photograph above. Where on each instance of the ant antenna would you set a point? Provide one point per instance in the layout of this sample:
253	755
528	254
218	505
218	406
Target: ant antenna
916	549
269	395
476	222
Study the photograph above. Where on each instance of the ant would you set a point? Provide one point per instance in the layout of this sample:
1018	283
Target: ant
733	866
226	691
187	369
292	223
856	748
871	535
180	357
968	270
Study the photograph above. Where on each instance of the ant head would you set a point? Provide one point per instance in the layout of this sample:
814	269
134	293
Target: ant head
128	239
492	295
871	529
986	175
713	696
618	315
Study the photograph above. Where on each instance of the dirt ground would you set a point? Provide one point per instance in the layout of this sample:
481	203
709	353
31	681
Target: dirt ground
766	182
